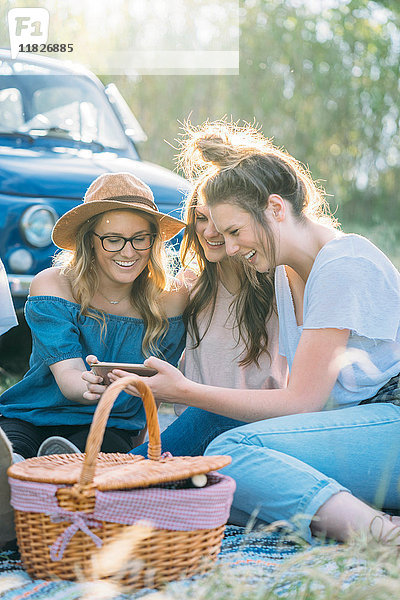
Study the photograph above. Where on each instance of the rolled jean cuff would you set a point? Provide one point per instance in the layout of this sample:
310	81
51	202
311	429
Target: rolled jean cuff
311	503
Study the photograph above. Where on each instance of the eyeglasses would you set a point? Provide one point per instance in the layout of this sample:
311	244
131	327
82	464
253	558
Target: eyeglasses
116	243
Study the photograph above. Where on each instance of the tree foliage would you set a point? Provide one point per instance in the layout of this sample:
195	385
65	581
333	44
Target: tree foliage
320	77
324	83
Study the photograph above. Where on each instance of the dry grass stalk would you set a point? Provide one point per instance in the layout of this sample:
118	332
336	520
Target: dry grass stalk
113	556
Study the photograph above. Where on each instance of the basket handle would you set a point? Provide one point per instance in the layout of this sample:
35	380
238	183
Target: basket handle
100	418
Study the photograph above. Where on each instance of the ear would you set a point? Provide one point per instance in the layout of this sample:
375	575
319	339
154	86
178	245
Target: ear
276	208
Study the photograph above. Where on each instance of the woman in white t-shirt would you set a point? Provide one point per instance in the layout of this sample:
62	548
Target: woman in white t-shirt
325	450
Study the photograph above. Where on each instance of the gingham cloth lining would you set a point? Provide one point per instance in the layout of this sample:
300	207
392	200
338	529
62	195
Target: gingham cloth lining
177	510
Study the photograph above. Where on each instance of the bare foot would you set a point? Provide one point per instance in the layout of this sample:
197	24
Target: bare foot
386	528
394	519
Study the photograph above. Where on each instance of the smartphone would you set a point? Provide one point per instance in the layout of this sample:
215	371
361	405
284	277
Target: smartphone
103	368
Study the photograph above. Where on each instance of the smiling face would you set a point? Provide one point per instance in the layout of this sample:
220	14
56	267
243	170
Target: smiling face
124	266
210	239
243	236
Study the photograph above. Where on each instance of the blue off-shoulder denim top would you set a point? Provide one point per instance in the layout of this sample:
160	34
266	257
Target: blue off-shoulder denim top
60	332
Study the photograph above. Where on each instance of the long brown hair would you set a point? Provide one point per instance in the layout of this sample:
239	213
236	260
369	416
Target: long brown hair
146	289
253	305
238	165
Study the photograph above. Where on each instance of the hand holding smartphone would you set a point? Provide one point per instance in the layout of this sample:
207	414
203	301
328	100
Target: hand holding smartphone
103	368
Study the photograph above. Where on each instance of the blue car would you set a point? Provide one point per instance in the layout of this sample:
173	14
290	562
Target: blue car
59	129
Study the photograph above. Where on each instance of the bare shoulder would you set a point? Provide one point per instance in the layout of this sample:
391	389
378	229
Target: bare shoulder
51	282
295	281
176	298
297	286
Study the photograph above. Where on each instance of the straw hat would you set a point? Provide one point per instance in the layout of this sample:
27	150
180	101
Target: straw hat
112	191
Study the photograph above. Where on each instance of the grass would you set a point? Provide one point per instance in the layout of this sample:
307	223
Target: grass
360	570
7	380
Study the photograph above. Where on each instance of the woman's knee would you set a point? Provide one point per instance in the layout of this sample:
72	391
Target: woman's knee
24	437
225	443
245	434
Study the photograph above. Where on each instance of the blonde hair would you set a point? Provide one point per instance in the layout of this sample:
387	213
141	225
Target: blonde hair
238	165
78	267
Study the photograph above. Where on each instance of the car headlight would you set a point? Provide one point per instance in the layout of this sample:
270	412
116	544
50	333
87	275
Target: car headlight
20	261
37	223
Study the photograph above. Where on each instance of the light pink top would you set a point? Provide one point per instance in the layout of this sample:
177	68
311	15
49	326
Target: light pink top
215	361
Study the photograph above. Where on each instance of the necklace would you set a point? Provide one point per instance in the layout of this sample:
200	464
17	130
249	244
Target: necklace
113	301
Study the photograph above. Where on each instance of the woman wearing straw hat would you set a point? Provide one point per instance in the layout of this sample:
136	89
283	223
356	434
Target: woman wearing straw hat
109	295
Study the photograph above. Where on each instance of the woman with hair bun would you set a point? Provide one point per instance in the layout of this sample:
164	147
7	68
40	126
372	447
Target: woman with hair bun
324	451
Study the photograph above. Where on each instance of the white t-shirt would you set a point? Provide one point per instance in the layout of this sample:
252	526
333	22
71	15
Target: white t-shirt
7	312
352	285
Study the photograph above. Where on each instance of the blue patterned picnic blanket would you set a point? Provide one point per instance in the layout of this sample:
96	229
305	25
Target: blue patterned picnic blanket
263	551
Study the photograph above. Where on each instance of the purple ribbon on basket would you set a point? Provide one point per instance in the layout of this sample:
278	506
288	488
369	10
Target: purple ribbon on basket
80	521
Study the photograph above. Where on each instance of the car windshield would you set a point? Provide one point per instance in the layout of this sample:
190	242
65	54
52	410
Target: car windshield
66	106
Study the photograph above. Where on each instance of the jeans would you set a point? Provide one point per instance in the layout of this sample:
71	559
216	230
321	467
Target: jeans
190	434
287	467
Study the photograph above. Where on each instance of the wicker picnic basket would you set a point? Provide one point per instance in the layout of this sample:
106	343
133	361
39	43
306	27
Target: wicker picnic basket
70	508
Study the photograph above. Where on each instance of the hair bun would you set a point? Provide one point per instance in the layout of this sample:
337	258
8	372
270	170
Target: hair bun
213	145
215	149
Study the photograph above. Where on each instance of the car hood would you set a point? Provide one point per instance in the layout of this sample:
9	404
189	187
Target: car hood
67	173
